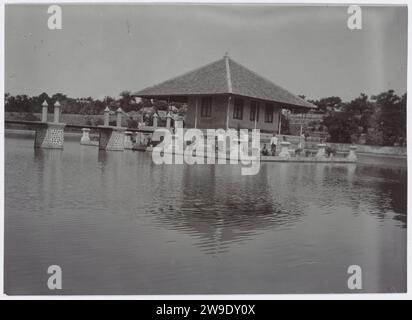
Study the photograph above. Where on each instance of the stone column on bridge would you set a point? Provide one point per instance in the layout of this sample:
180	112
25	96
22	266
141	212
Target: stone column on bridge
56	116
352	154
119	113
111	138
178	123
106	116
137	137
44	111
50	135
168	120
128	144
155	118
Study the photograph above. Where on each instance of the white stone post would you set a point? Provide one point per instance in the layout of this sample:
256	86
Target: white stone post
352	154
178	123
284	150
56	112
168	120
119	112
155	116
44	111
85	137
137	138
321	154
128	140
106	116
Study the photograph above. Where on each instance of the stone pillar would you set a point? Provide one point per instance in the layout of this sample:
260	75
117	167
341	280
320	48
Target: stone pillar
140	141
145	138
50	135
284	150
44	111
352	154
56	118
321	154
137	137
155	117
168	120
119	112
128	144
178	123
106	116
85	139
170	147
112	138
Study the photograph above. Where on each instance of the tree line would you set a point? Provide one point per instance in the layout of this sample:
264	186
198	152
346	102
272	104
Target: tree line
378	120
86	106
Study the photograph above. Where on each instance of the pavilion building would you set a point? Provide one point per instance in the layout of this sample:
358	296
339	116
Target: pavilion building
225	94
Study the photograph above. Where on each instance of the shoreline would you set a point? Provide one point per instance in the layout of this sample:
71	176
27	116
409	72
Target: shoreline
79	134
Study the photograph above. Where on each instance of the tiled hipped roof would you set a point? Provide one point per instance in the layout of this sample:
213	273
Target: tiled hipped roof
224	76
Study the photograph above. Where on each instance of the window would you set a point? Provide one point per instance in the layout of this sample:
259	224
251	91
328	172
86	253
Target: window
206	107
269	113
238	109
254	111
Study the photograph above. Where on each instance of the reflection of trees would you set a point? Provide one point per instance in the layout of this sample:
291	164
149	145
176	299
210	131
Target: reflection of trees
218	206
388	187
370	189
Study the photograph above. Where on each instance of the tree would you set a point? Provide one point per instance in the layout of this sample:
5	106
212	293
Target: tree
327	104
58	97
108	100
125	101
361	108
284	125
391	117
341	126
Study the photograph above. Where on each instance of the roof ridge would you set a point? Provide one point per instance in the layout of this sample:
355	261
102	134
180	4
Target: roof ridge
270	81
228	74
179	76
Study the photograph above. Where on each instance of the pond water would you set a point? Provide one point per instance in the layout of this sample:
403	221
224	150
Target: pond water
116	223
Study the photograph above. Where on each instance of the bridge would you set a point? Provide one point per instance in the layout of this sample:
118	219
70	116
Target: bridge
50	135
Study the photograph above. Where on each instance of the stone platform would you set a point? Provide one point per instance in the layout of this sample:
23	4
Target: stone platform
111	138
49	135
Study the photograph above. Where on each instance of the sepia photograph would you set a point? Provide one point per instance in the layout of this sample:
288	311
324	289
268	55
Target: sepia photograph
186	149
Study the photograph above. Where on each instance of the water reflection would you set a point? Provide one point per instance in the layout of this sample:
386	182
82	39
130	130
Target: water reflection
217	206
391	182
118	212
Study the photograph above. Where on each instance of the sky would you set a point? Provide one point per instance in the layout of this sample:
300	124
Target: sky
105	49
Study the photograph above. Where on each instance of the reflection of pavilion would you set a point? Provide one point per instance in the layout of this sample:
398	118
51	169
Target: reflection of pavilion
233	208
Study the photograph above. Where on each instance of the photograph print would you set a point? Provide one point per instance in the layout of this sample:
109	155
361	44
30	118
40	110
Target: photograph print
205	149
